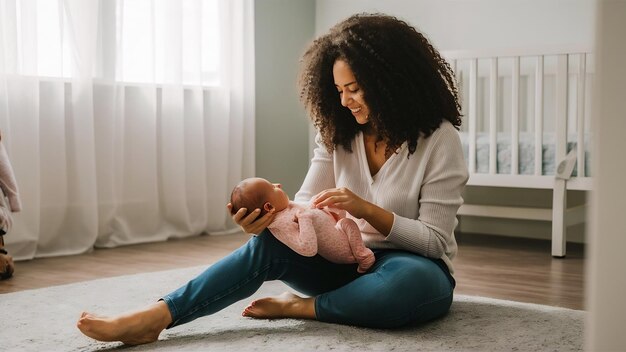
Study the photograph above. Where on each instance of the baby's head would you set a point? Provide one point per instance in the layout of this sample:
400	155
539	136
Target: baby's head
253	193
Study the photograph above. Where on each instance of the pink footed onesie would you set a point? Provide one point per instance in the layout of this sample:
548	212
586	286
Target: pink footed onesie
318	231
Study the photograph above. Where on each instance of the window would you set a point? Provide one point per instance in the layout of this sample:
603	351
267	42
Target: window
145	41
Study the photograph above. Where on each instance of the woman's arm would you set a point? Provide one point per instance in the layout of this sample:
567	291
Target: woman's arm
343	198
439	200
430	232
320	176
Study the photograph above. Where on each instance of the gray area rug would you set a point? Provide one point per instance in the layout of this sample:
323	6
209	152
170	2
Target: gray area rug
44	320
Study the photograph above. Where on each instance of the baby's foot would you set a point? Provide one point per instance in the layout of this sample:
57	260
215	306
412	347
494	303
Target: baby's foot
366	261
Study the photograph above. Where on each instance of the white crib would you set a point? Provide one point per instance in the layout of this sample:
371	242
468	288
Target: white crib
527	125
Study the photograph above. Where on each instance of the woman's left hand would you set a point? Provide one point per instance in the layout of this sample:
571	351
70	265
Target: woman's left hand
342	198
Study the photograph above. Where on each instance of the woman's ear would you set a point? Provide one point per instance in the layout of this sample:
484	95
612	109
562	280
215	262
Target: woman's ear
268	206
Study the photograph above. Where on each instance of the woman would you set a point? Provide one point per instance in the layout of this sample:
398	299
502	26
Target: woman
386	108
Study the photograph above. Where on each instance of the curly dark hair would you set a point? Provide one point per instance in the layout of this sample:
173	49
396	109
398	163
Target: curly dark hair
409	88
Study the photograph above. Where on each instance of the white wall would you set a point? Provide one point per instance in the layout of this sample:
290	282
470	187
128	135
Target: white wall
479	24
282	30
488	24
606	281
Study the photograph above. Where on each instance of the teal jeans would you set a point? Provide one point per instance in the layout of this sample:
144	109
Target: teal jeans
401	288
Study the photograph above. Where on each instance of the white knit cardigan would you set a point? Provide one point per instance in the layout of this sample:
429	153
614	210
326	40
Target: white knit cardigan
422	190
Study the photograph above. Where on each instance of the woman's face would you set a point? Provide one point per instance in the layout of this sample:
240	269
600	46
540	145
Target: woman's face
350	93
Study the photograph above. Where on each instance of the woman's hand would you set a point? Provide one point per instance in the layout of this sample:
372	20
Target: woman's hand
250	224
342	198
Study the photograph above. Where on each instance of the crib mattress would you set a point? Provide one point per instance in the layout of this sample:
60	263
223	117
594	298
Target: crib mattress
526	150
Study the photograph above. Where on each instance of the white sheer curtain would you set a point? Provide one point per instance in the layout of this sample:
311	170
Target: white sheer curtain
125	121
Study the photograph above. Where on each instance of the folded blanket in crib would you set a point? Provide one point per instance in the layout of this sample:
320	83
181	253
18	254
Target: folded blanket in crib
526	145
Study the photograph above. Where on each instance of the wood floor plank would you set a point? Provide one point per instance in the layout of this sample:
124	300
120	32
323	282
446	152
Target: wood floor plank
491	266
520	270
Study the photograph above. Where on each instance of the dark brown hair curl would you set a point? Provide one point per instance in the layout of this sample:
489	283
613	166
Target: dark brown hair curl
409	88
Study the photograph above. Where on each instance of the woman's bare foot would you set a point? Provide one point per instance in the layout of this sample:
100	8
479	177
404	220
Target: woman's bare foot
287	305
135	328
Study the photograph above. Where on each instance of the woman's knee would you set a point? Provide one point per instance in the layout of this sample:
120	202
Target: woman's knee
257	254
400	290
264	245
417	290
410	273
269	255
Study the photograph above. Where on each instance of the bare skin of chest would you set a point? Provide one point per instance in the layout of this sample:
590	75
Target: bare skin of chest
375	153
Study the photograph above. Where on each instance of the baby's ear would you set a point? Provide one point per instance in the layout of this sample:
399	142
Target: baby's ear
268	206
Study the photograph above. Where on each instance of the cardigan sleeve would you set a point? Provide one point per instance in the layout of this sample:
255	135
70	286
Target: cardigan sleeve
321	174
445	176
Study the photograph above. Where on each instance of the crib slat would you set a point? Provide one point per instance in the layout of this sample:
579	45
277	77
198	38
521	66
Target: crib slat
580	112
473	105
515	117
493	110
539	116
561	108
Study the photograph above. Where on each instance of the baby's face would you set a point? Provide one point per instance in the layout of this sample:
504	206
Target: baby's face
273	193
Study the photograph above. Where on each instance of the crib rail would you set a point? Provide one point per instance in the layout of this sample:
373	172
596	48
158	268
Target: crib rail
553	103
568	99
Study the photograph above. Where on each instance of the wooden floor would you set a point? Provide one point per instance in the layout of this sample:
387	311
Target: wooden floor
490	266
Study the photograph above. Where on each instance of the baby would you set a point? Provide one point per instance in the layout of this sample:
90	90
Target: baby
307	231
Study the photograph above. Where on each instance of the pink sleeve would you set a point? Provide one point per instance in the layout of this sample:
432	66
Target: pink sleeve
307	239
300	237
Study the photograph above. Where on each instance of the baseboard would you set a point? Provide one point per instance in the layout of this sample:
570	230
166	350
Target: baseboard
527	199
517	228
